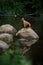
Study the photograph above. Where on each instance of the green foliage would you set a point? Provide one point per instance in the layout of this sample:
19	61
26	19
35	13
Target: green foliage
11	7
13	57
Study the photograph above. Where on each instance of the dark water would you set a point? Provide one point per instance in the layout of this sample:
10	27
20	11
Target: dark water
36	51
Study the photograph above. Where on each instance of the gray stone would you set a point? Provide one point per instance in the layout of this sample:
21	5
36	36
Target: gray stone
8	38
7	28
4	45
27	36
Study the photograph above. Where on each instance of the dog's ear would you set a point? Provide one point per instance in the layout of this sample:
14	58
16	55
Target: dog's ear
26	24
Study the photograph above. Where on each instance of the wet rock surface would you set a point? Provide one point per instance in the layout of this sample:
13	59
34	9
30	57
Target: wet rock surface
7	35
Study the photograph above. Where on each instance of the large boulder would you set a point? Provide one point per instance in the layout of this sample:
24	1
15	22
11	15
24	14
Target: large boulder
8	38
7	28
27	36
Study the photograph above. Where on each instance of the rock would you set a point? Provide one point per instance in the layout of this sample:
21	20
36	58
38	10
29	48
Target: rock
4	45
7	28
8	38
27	36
